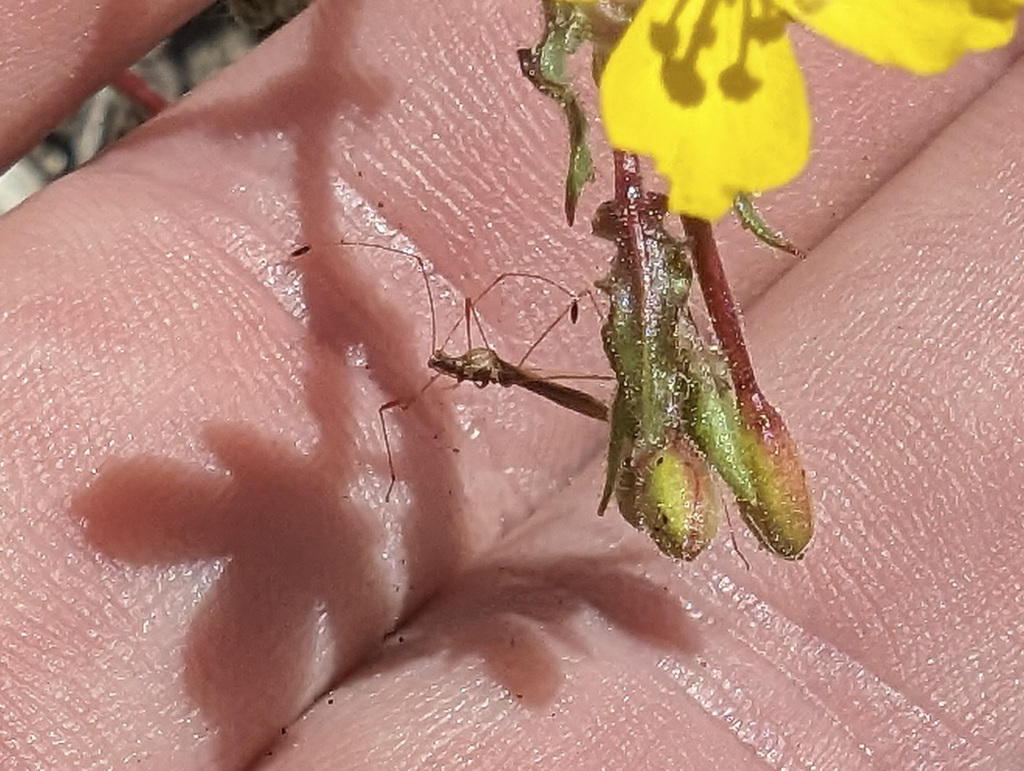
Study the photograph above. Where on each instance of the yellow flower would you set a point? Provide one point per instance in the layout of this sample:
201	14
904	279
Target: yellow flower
711	91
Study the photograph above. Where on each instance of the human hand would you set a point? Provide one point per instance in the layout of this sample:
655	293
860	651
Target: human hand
195	542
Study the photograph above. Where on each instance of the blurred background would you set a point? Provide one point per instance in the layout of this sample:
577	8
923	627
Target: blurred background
215	38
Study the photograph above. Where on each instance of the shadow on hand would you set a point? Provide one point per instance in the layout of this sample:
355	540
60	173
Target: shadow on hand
293	546
294	549
513	615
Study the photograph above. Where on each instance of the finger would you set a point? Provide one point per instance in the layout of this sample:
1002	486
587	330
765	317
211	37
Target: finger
57	56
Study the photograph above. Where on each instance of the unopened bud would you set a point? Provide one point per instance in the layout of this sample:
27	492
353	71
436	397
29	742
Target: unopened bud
673	498
781	513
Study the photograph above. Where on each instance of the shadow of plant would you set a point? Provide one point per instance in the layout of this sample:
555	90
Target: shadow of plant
295	551
293	547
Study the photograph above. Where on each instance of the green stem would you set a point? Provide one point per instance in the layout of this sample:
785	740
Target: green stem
629	189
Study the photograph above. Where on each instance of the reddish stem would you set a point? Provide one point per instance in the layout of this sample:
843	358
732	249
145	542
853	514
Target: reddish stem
140	92
629	189
722	309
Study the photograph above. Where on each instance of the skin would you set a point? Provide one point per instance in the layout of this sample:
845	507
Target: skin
197	568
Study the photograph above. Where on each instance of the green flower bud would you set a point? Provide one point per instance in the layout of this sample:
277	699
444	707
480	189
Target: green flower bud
781	513
669	494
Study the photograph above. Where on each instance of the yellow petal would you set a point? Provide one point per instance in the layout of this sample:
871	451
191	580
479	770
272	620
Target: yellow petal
923	36
712	92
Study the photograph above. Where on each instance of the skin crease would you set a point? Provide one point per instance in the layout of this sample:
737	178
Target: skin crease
198	569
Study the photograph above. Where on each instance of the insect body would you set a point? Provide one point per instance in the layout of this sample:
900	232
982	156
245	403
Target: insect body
484	367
